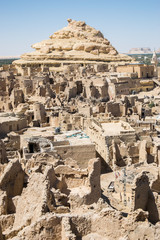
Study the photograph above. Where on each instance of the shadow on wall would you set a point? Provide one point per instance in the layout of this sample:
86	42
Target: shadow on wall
119	160
152	208
105	168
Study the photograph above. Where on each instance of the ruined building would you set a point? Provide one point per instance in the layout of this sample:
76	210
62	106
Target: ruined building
79	142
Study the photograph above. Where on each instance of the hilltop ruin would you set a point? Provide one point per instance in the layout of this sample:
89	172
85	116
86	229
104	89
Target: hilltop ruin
79	142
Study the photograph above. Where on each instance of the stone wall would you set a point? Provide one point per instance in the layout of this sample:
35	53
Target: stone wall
80	153
15	125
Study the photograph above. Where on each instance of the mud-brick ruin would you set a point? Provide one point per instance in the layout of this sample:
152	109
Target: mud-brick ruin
79	142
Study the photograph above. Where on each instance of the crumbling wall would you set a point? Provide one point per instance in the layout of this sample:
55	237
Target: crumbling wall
16	97
144	197
12	179
113	108
3	155
11	185
91	193
35	199
12	125
72	177
39	112
143	152
46	227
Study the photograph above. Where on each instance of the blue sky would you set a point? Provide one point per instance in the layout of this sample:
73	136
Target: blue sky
125	23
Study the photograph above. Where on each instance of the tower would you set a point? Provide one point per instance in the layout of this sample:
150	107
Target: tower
154	62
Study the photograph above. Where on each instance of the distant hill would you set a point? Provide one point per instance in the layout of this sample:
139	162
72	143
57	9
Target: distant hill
9	57
145	50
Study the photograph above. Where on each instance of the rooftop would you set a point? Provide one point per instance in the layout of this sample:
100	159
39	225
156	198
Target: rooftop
116	128
75	137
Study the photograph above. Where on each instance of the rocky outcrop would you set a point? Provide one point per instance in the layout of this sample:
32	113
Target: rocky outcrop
140	51
77	42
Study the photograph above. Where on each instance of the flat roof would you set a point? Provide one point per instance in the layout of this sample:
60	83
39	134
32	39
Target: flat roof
117	128
38	132
75	137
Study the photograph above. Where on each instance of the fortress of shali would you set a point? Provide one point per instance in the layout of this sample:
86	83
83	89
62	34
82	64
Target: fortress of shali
79	141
